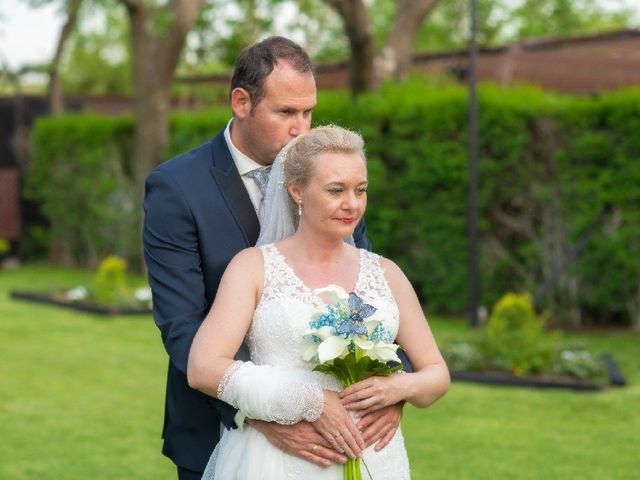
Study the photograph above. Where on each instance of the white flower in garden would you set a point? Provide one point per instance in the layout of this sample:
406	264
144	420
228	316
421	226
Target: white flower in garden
143	294
77	294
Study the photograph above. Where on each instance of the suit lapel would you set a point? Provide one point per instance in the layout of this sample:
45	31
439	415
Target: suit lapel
233	190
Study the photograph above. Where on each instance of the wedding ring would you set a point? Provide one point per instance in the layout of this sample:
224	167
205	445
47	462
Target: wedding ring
313	450
338	435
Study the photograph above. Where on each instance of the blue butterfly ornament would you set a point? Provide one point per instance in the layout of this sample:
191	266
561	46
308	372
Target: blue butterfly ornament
358	312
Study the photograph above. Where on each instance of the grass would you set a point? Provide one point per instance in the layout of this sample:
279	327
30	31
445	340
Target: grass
82	397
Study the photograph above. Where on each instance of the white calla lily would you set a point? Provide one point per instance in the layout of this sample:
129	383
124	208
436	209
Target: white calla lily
385	352
371	325
332	293
324	332
332	347
363	343
310	352
380	315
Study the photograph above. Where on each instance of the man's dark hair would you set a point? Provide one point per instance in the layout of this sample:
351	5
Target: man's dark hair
256	63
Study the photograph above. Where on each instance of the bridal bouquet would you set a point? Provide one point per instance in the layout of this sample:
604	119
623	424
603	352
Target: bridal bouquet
349	341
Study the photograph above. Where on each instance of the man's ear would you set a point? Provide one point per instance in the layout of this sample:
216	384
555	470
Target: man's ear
240	103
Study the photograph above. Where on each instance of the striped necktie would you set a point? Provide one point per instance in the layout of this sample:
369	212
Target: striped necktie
261	177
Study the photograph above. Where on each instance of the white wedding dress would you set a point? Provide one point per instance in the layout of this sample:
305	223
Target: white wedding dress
275	341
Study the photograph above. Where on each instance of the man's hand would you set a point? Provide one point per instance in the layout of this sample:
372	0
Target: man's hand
301	440
381	425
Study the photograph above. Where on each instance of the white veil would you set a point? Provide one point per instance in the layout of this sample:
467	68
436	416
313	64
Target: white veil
277	220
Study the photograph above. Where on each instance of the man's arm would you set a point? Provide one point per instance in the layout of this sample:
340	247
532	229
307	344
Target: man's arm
360	236
301	440
171	253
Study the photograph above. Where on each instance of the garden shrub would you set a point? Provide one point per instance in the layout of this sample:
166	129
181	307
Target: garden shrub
110	284
81	176
515	339
558	200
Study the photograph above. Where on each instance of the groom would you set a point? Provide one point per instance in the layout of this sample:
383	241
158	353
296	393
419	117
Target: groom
200	210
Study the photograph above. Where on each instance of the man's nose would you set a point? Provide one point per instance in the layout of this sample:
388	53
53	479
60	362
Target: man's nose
299	124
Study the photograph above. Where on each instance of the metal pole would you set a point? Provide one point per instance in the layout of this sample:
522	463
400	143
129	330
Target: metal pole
474	283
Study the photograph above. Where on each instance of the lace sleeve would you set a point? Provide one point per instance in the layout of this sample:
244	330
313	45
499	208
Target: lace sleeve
273	394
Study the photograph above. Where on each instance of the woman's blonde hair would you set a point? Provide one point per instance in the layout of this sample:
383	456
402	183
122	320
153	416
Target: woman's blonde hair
298	166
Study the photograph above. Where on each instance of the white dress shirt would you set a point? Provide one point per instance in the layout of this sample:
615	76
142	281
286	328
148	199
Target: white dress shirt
244	165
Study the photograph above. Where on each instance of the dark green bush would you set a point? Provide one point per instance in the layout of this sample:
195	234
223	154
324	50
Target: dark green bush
559	203
81	176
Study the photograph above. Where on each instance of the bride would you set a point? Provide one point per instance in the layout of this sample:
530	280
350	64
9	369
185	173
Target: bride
317	193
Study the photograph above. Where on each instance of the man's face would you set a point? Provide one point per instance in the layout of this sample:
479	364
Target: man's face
283	113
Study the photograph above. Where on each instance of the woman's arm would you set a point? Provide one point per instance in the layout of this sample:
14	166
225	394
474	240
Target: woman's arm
430	379
261	392
225	326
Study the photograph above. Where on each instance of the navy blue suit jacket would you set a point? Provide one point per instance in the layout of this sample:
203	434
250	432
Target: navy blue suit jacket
198	215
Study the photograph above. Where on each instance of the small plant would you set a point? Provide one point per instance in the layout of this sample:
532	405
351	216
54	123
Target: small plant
4	246
578	362
464	357
110	284
515	339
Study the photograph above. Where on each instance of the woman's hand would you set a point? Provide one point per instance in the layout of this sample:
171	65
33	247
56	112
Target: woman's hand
337	427
374	393
380	426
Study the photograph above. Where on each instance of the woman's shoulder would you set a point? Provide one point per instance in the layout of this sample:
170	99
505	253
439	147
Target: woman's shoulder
384	262
392	272
247	258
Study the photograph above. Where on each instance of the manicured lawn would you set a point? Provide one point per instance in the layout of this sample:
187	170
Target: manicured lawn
81	396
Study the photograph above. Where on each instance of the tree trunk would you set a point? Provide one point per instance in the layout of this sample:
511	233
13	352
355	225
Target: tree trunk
56	106
156	51
359	32
396	57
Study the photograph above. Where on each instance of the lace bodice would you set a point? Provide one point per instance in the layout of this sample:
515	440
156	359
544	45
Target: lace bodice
284	310
278	385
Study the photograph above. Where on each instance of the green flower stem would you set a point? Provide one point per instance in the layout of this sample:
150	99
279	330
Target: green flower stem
354	367
352	469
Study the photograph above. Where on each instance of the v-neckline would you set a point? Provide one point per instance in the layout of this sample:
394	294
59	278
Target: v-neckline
308	290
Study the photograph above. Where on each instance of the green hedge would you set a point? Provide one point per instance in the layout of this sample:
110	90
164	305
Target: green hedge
549	167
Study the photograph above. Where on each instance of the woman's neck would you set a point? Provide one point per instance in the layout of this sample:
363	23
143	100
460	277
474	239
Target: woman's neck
316	248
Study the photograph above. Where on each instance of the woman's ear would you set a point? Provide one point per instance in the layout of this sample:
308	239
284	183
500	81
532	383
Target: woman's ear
240	102
295	192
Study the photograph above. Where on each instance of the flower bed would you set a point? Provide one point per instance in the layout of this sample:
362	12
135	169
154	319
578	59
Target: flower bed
614	377
60	300
514	348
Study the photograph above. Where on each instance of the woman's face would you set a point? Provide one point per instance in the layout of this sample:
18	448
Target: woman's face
335	198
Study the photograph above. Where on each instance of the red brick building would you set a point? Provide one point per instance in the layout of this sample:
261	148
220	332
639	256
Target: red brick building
583	65
579	65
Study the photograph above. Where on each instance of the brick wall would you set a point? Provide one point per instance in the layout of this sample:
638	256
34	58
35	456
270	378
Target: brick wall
10	224
583	65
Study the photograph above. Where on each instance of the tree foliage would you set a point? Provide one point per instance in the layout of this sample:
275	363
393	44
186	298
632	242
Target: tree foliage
99	56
